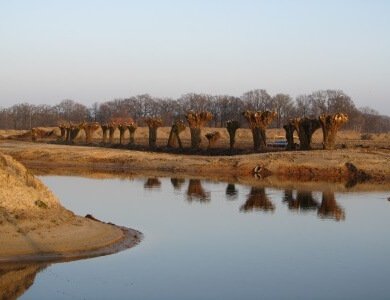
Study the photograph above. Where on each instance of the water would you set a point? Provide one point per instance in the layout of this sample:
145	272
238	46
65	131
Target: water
210	240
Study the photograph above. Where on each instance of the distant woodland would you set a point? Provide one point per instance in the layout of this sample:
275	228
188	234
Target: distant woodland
224	108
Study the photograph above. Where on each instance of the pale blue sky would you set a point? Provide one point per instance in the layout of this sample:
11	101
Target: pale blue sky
99	50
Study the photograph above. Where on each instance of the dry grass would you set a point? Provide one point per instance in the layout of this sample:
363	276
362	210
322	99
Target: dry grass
244	140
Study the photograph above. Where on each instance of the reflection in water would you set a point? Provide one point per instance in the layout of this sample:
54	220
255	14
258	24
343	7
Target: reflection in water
262	248
303	201
177	183
257	200
16	278
195	191
329	208
152	183
231	191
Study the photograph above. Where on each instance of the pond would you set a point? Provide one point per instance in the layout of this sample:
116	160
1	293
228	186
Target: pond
213	240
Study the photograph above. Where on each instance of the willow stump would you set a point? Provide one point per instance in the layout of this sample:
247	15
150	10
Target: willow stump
112	126
62	127
73	132
305	128
330	125
90	129
153	124
212	137
122	130
105	130
258	122
34	134
289	129
196	121
174	135
132	128
232	127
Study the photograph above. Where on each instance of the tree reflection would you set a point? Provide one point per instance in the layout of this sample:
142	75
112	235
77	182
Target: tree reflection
257	200
177	183
16	278
329	208
195	191
152	183
303	201
231	191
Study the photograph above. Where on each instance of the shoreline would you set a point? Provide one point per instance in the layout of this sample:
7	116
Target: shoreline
252	181
342	165
129	239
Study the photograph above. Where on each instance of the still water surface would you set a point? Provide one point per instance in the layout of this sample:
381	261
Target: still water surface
210	240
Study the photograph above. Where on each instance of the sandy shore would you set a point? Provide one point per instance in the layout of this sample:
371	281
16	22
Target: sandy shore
34	225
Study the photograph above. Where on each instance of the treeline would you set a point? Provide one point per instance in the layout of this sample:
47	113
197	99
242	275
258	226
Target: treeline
223	108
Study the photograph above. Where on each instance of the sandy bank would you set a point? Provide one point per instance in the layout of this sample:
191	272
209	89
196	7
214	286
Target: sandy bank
34	225
327	165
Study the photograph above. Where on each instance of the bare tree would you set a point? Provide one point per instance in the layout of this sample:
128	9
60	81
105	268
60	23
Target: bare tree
284	108
303	106
70	110
257	100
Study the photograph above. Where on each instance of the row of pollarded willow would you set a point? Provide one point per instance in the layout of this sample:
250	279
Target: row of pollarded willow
258	122
196	121
69	130
305	128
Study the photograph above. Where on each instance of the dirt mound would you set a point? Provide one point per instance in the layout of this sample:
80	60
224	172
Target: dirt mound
34	225
23	195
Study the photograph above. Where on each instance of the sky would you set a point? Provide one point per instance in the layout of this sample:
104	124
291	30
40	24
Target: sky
94	51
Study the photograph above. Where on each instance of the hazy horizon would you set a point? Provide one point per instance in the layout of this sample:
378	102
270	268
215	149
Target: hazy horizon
96	51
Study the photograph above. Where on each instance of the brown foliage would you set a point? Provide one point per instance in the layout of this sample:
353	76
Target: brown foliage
153	122
132	128
121	124
330	125
212	137
258	121
89	129
198	119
